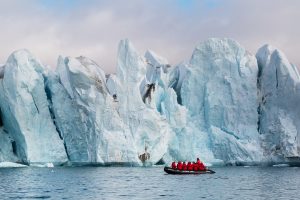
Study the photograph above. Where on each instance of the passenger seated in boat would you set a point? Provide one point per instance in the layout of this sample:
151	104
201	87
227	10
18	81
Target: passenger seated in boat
179	165
189	166
195	166
198	161
173	165
200	164
184	166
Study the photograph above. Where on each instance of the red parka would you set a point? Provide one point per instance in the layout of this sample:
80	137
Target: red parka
189	166
184	166
195	166
179	165
202	166
173	165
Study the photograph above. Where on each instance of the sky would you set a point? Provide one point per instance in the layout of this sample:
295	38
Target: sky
171	28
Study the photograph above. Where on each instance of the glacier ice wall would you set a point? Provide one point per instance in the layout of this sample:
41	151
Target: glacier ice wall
220	94
279	91
7	146
224	105
86	115
145	123
176	77
25	112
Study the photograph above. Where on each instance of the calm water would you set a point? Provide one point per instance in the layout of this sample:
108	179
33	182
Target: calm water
148	183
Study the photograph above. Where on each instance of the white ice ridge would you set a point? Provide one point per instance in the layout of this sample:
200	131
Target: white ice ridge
224	105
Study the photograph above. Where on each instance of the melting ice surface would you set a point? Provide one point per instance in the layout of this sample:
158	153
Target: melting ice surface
224	105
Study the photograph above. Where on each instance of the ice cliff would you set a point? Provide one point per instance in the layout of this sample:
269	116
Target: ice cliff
220	94
279	93
86	115
25	112
224	105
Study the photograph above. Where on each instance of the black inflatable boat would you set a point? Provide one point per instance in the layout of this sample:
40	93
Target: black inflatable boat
169	170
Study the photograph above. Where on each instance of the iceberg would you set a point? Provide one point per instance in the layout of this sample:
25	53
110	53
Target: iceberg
11	165
42	165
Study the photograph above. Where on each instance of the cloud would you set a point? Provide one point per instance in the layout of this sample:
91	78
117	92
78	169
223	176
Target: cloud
172	28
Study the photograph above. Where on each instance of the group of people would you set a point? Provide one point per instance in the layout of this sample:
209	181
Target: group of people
190	166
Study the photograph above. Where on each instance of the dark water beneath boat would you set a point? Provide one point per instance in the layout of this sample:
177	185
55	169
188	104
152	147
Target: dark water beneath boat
148	183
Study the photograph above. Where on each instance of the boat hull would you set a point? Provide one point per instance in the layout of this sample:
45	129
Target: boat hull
169	170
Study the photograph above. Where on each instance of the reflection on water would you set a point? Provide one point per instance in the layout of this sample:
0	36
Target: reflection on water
148	183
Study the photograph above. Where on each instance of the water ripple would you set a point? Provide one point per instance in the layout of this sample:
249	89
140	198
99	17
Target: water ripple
148	183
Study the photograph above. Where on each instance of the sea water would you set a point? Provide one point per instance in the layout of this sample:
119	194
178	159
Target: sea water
148	183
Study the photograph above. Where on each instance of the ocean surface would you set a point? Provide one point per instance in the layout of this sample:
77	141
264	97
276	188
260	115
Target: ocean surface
148	183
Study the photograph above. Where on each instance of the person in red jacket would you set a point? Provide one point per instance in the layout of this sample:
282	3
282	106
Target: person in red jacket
195	166
200	164
173	165
192	166
179	165
198	161
184	166
189	166
202	167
